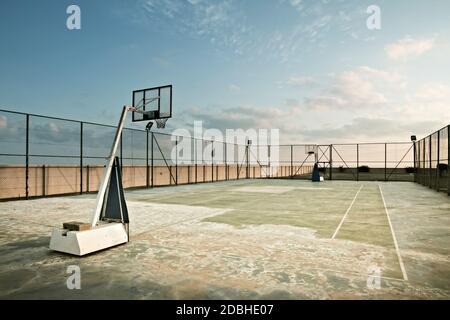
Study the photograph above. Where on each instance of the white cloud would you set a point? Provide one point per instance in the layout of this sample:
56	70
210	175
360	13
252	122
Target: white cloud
3	122
53	127
434	91
361	88
371	129
299	81
245	117
429	102
234	88
297	4
363	104
408	47
228	24
220	22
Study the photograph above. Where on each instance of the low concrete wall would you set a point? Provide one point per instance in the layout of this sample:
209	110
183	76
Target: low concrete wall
66	179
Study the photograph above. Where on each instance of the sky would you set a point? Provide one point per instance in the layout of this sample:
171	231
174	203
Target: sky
312	69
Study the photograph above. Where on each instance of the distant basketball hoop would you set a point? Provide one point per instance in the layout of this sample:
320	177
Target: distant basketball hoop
311	149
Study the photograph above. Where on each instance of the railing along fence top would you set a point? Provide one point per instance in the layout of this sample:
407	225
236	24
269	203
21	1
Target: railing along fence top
43	155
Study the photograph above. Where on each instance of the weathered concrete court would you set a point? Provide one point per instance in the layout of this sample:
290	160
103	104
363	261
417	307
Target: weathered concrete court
253	239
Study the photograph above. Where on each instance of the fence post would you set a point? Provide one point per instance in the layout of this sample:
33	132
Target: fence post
292	163
448	160
424	178
147	172
176	160
152	171
87	178
43	180
385	162
247	169
203	162
357	162
195	158
212	161
27	155
438	156
419	163
81	157
226	162
331	162
415	158
429	167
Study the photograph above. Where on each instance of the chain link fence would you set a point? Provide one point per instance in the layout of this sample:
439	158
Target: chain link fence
44	156
432	156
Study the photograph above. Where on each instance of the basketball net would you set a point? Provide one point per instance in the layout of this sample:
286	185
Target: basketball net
161	123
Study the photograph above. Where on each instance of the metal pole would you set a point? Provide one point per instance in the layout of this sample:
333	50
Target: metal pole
385	162
203	164
87	179
226	163
152	171
424	162
43	180
121	154
429	158
438	156
107	173
147	177
331	162
212	161
415	158
448	160
237	167
357	162
27	155
418	172
292	161
249	163
195	158
176	160
81	157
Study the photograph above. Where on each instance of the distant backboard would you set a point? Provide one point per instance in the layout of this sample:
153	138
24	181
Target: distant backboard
152	103
310	149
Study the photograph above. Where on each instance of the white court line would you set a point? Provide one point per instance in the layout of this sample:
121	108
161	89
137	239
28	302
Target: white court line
346	213
400	261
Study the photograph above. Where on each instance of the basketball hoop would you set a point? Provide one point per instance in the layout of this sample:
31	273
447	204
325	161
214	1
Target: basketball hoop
161	123
152	104
310	149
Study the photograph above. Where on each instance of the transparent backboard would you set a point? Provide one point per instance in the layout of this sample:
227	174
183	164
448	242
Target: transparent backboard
152	103
310	148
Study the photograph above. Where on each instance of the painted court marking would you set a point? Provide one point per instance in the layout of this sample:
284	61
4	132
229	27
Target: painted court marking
400	261
346	213
311	188
265	189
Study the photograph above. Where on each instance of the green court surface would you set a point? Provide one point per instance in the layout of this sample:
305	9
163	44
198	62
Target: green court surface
251	239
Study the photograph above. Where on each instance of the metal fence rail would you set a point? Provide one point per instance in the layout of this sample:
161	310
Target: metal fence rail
432	156
44	156
359	162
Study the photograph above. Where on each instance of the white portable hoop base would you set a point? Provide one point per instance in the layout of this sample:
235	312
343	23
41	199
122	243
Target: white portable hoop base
99	236
80	243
